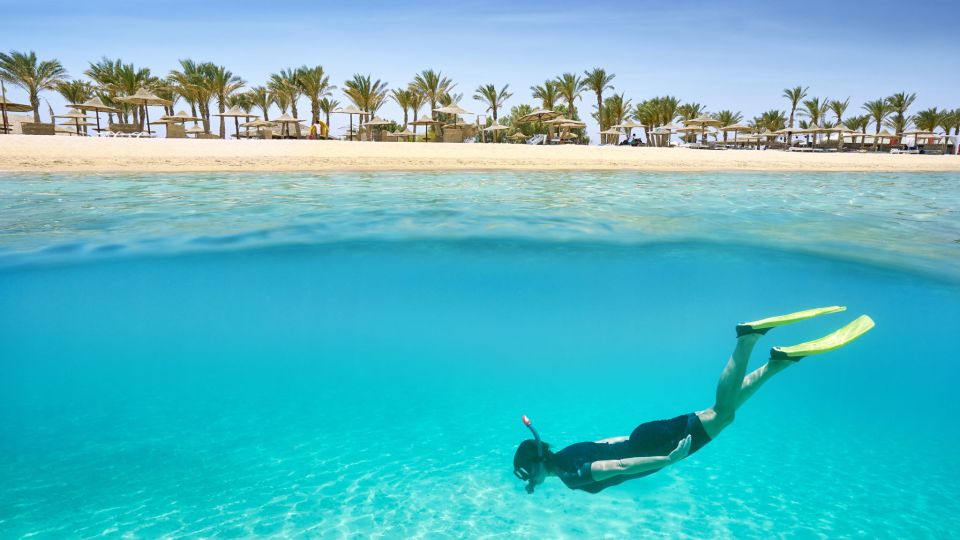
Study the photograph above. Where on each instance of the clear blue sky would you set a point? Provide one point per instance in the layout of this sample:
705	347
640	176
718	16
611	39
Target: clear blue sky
726	55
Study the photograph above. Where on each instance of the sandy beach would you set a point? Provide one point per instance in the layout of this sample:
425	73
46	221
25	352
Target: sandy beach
63	154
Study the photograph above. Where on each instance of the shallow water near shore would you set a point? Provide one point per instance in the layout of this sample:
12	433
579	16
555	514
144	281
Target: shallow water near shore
359	368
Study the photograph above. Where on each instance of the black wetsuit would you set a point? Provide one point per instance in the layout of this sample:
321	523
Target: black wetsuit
659	438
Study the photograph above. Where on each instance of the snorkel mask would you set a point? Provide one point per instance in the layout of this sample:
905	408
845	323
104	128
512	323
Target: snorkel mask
531	475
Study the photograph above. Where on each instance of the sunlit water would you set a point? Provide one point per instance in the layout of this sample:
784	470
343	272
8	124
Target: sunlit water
349	355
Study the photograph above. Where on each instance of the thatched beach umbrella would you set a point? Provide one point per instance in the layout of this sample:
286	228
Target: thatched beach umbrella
196	130
611	131
629	125
427	121
402	134
350	111
75	119
10	106
144	98
735	128
96	105
703	122
494	128
286	120
237	113
376	121
455	110
518	137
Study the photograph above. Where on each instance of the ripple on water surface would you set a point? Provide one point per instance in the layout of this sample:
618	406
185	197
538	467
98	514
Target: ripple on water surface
908	220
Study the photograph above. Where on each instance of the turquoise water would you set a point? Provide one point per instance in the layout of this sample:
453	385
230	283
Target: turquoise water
349	355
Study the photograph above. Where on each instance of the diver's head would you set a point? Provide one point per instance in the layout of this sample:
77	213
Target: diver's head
530	462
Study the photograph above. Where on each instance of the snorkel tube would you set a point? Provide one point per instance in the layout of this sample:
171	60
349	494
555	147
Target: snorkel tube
536	436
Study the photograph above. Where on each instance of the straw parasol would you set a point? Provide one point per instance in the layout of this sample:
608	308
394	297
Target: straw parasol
426	121
76	117
456	110
144	98
350	111
612	131
375	122
518	136
10	106
96	105
538	115
703	122
495	127
196	130
401	134
285	120
237	113
735	128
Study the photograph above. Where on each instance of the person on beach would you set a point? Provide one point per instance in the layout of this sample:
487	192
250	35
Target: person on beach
595	466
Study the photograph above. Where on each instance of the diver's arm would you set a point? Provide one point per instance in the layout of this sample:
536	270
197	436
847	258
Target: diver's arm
611	440
601	470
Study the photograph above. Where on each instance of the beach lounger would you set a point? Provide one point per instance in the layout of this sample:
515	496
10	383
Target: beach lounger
537	139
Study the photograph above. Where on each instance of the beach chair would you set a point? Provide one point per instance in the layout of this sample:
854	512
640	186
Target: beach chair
537	139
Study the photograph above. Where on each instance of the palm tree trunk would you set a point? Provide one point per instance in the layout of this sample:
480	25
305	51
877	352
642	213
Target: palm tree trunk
223	124
600	110
35	103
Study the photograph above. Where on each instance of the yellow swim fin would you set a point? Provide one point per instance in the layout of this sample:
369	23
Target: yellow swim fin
761	326
860	326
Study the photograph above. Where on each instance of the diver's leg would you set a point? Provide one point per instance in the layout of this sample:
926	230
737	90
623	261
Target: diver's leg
721	414
756	378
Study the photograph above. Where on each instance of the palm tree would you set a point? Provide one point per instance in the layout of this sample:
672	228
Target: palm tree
547	94
726	118
285	84
315	84
570	86
433	85
492	98
857	123
839	107
795	95
74	91
516	113
402	98
243	100
772	120
815	109
262	98
950	120
614	111
188	82
328	105
33	75
597	80
221	83
899	103
416	101
877	110
365	93
929	119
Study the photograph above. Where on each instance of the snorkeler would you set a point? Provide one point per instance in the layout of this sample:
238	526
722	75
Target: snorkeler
595	466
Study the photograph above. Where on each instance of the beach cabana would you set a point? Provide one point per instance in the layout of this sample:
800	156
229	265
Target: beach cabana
236	113
145	99
97	106
350	111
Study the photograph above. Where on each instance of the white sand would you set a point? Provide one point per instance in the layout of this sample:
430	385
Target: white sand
61	153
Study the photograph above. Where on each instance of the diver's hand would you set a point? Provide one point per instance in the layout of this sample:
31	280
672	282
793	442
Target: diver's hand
681	451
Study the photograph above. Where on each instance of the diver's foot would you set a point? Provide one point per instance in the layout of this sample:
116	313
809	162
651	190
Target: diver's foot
860	326
764	325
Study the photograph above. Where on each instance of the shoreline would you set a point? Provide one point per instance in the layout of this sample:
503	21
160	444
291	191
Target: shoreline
22	153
